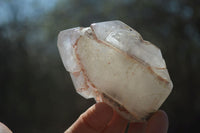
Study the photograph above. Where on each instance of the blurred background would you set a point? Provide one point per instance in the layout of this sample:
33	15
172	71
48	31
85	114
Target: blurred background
36	92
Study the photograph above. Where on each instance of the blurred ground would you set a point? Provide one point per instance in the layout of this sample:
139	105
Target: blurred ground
36	93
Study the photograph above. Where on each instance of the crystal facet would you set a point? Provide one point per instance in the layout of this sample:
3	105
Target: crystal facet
109	61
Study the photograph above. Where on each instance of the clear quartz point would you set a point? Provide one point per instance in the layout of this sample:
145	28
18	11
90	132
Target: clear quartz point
109	61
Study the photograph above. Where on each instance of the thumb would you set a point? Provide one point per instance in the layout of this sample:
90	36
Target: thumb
93	120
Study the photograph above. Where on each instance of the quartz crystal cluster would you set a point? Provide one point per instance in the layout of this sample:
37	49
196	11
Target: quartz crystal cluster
109	61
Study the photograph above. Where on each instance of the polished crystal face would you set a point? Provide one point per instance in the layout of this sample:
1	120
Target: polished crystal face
109	61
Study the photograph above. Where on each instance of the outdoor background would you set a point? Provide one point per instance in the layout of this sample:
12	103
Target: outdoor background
36	92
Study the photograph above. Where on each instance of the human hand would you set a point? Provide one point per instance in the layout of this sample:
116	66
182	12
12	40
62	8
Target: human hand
100	118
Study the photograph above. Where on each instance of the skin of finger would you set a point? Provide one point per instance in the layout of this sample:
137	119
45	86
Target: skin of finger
158	123
94	120
116	125
4	128
137	127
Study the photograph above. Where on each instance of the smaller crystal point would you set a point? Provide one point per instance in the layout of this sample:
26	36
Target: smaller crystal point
109	61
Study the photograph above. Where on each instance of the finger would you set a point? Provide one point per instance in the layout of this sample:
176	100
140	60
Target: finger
4	128
158	123
93	120
116	125
136	127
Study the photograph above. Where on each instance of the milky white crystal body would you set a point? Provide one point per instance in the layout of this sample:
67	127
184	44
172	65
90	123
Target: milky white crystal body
109	61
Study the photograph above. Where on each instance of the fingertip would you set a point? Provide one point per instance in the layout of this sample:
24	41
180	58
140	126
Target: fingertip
117	124
103	107
93	120
98	116
158	123
162	115
136	127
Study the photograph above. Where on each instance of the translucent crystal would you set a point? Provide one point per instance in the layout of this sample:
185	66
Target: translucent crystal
109	61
